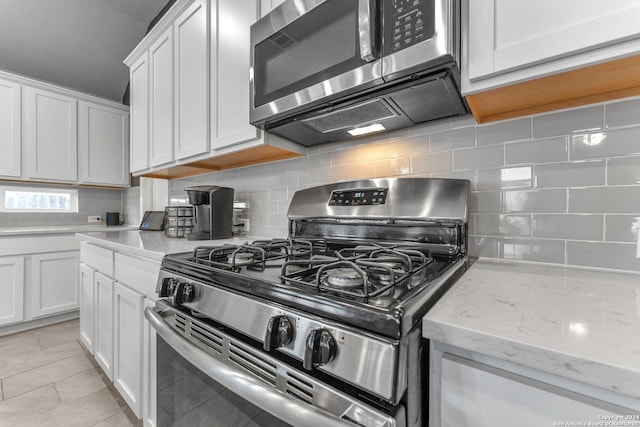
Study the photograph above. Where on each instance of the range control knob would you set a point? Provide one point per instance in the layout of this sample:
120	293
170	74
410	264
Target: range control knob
279	333
188	293
321	349
166	287
178	293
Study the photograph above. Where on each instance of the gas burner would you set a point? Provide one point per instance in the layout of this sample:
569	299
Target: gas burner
343	278
241	258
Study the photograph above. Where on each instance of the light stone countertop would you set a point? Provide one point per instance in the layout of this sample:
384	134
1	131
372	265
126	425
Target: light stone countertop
576	323
152	244
60	229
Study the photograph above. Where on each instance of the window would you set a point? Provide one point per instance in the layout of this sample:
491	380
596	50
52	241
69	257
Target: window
34	199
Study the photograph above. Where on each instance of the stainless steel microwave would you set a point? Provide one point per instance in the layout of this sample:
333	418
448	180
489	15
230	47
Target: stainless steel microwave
329	70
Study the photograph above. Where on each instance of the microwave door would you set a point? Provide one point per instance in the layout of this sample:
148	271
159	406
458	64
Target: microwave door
303	56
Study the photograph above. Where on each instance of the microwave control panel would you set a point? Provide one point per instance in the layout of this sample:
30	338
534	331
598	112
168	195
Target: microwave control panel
369	196
407	22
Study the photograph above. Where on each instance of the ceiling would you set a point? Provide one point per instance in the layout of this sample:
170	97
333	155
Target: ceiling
79	44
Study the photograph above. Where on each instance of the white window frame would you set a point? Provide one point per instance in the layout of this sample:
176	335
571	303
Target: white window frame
73	206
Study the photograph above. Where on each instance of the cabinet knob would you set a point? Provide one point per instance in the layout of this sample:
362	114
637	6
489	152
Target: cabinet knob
279	333
321	348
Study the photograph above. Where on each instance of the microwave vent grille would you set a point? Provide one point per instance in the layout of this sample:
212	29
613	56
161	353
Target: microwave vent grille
353	116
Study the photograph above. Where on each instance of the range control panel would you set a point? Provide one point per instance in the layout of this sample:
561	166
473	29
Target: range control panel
369	196
407	22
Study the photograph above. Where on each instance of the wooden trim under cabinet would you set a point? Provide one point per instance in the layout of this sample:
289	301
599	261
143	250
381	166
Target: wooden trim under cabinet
597	83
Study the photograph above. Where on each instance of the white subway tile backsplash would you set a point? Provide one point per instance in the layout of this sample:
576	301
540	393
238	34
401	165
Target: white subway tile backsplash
479	158
537	151
535	201
453	139
436	162
567	122
484	246
568	226
620	256
539	250
515	225
505	178
406	147
625	113
619	200
623	170
570	174
613	143
539	190
500	132
485	201
622	228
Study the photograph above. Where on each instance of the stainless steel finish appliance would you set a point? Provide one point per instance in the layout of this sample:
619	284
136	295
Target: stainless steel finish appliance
322	328
212	212
324	69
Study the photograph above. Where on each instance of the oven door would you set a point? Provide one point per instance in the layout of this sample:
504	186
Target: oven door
310	51
206	377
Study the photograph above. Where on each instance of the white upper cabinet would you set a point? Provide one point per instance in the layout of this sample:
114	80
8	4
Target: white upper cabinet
516	40
51	136
191	81
267	6
139	99
230	62
103	144
10	135
161	99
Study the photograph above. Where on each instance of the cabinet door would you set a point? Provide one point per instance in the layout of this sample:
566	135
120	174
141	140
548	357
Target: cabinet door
127	373
149	404
11	289
87	307
103	341
161	98
230	60
103	144
191	77
475	395
139	81
51	136
54	282
506	35
267	6
10	132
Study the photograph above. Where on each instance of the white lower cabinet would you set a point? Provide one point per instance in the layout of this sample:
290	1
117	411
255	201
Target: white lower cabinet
11	289
104	322
149	403
472	390
124	343
87	307
54	283
127	374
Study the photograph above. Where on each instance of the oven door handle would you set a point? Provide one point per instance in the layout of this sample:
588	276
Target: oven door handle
253	390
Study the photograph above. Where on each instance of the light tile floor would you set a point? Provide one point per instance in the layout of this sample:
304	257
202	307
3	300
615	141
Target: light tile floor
48	379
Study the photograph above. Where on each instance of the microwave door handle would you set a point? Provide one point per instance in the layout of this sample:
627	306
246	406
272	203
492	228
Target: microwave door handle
366	30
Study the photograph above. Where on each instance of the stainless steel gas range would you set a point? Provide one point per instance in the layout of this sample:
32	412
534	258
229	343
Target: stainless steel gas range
322	328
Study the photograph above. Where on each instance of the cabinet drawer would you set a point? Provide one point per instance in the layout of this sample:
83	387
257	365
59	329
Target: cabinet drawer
138	273
99	258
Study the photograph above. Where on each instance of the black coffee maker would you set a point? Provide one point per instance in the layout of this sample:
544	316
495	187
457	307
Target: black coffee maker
212	212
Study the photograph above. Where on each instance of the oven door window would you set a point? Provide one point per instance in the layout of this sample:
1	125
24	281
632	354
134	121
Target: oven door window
188	397
319	45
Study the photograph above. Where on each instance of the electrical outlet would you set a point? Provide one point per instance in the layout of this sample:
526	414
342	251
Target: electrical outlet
94	218
245	224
